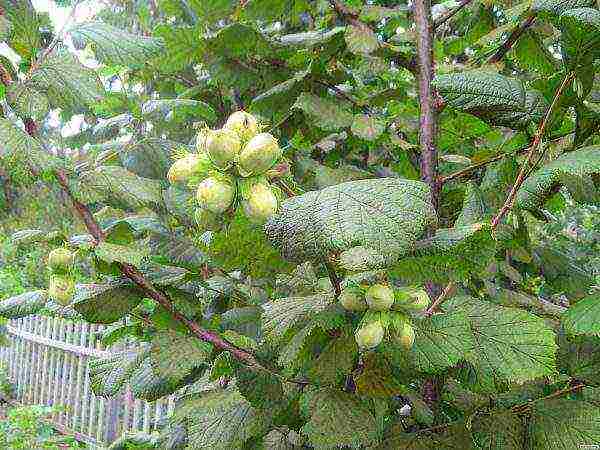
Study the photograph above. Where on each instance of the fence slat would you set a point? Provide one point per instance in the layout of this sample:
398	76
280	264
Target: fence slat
47	360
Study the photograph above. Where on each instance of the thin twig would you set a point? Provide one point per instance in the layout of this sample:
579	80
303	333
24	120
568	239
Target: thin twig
446	17
508	204
334	278
447	293
512	39
467	170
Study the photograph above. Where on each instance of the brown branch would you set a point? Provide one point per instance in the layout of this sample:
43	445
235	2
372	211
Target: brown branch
508	204
467	170
511	40
447	293
334	278
428	114
446	17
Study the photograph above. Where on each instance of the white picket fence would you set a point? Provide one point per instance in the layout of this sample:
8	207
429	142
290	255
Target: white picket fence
47	362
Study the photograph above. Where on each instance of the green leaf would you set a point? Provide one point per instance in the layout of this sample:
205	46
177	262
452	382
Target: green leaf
117	47
27	102
335	362
283	314
337	419
175	355
219	420
537	187
498	430
583	317
580	37
147	385
137	441
441	341
309	39
561	424
387	215
553	8
126	254
179	109
149	157
474	209
23	305
510	344
494	98
579	356
178	249
109	375
126	189
325	113
361	40
451	254
19	145
105	303
68	84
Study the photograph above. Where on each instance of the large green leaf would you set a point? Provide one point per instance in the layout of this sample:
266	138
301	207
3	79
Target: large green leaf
175	355
583	317
179	109
335	361
553	8
149	157
510	344
114	46
105	303
498	430
23	305
218	420
569	166
561	424
67	83
579	356
27	102
337	419
126	189
492	97
109	375
327	114
282	314
441	341
386	215
20	146
580	38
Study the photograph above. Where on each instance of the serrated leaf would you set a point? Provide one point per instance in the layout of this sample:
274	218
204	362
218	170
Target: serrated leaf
27	102
150	157
219	420
105	303
441	341
23	305
175	355
117	47
179	109
511	344
178	249
148	385
498	430
376	379
492	97
19	145
335	361
309	39
337	419
553	8
325	113
540	184
281	315
367	127
360	39
386	214
138	441
125	254
68	84
296	350
579	356
109	375
474	209
583	317
123	187
561	424
580	37
450	254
